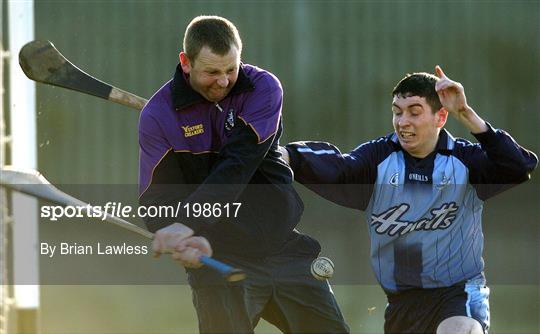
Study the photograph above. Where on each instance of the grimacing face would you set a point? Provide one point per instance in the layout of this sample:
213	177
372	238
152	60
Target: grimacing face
416	125
211	75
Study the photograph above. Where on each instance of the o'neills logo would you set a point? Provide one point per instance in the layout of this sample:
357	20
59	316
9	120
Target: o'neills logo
194	130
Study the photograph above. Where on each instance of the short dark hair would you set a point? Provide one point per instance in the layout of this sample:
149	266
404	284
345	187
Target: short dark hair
216	32
420	84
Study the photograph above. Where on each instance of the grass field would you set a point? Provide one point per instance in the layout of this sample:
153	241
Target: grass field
168	309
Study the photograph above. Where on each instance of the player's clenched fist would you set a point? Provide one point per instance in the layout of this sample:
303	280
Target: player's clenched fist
167	239
177	239
189	251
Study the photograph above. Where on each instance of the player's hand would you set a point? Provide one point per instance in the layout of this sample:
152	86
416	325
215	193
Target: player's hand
452	96
284	154
189	251
451	93
168	239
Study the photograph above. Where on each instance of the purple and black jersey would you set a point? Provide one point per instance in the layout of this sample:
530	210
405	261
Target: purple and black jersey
196	151
424	215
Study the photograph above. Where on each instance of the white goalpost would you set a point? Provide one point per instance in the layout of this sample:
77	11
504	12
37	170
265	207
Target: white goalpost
5	293
19	226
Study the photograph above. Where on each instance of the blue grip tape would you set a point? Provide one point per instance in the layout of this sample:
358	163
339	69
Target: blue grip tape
223	268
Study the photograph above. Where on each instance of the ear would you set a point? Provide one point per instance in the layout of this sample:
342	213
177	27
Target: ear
184	62
442	116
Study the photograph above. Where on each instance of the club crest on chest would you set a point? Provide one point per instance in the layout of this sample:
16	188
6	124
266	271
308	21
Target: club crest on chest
394	179
229	120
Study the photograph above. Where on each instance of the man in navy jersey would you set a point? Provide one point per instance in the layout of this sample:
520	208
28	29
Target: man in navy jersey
422	191
210	136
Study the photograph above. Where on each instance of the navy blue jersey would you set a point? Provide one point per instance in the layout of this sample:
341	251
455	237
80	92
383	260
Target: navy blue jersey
424	215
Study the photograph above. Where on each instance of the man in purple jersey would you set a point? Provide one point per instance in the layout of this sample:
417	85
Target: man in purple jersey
210	137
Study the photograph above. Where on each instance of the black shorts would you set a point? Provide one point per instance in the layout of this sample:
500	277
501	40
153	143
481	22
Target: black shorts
422	310
278	288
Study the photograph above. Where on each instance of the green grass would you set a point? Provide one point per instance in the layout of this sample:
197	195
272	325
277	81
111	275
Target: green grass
168	309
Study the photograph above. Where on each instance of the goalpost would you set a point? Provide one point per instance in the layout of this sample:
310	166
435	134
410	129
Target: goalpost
5	294
19	291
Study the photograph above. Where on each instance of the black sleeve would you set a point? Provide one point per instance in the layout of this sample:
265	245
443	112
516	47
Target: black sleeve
238	160
497	163
345	179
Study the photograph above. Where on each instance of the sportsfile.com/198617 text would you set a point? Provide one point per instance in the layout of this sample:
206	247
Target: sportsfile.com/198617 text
117	209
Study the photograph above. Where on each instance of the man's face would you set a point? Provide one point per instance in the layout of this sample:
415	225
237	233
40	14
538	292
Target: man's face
416	125
211	75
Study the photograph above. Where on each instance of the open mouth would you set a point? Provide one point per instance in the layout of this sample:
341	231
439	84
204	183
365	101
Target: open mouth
406	135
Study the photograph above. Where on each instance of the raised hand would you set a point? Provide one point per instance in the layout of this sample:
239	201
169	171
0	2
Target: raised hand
451	93
452	96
